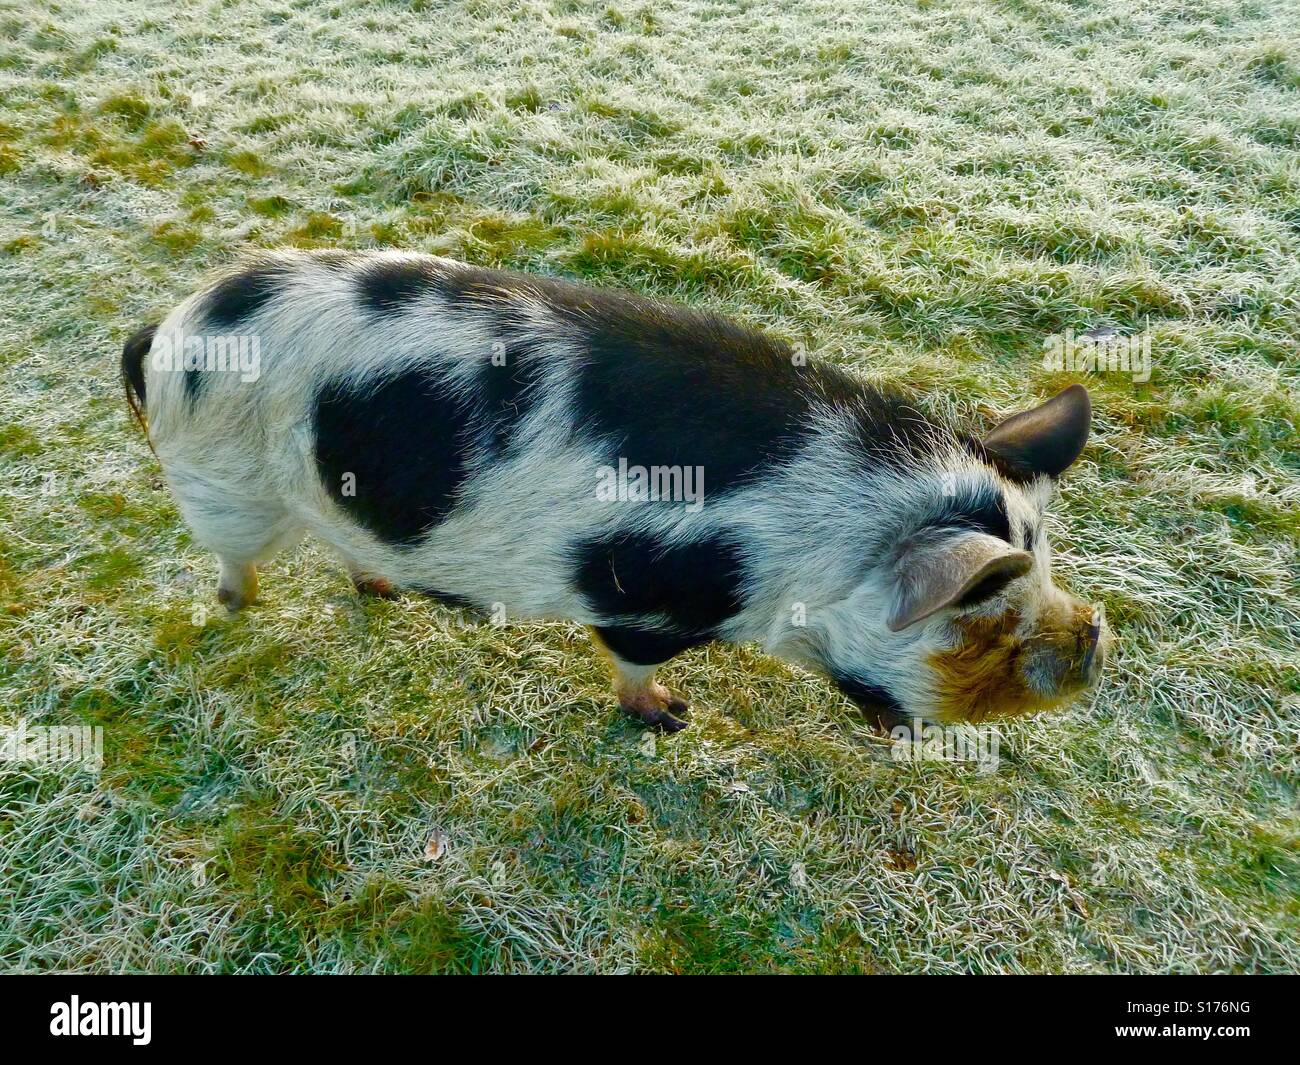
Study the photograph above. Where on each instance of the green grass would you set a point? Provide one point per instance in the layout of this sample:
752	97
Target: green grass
920	190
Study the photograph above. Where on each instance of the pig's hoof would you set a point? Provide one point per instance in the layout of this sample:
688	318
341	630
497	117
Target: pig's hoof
660	719
375	588
657	707
237	585
233	599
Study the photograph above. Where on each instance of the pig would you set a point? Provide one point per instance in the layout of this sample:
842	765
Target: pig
531	447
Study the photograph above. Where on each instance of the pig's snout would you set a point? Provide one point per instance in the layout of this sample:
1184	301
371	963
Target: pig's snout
1069	652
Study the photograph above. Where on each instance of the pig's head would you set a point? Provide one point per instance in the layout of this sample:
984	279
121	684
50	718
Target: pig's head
962	621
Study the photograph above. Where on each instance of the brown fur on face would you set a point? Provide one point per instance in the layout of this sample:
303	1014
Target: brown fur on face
995	671
980	677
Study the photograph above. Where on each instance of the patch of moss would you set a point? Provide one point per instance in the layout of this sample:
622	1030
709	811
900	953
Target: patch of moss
421	936
265	659
319	227
109	568
1275	64
638	123
497	240
1255	515
135	516
527	99
162	147
468	105
247	161
24	242
619	255
183	634
176	237
707	937
267	123
132	109
17	441
274	206
279	869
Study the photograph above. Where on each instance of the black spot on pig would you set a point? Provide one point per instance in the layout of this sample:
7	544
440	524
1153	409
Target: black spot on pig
448	599
631	578
886	429
230	303
667	386
403	438
235	299
387	287
134	353
509	387
983	511
644	647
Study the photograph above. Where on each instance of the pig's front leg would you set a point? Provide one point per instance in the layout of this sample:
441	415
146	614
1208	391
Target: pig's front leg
641	696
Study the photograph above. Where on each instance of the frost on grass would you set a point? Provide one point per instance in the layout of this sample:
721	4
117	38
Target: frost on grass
923	190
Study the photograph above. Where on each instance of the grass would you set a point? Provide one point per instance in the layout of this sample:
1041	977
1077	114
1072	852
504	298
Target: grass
922	190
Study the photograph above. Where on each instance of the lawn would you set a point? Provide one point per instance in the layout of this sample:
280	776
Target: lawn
924	191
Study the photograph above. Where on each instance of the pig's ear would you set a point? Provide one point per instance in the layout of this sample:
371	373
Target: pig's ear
954	569
1047	439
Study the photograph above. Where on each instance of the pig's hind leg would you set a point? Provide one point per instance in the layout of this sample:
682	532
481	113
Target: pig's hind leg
639	694
368	585
237	584
243	531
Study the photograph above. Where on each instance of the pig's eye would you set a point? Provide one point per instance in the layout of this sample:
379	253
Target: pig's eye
985	589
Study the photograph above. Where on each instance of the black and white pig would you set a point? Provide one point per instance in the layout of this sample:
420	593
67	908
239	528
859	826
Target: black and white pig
543	449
